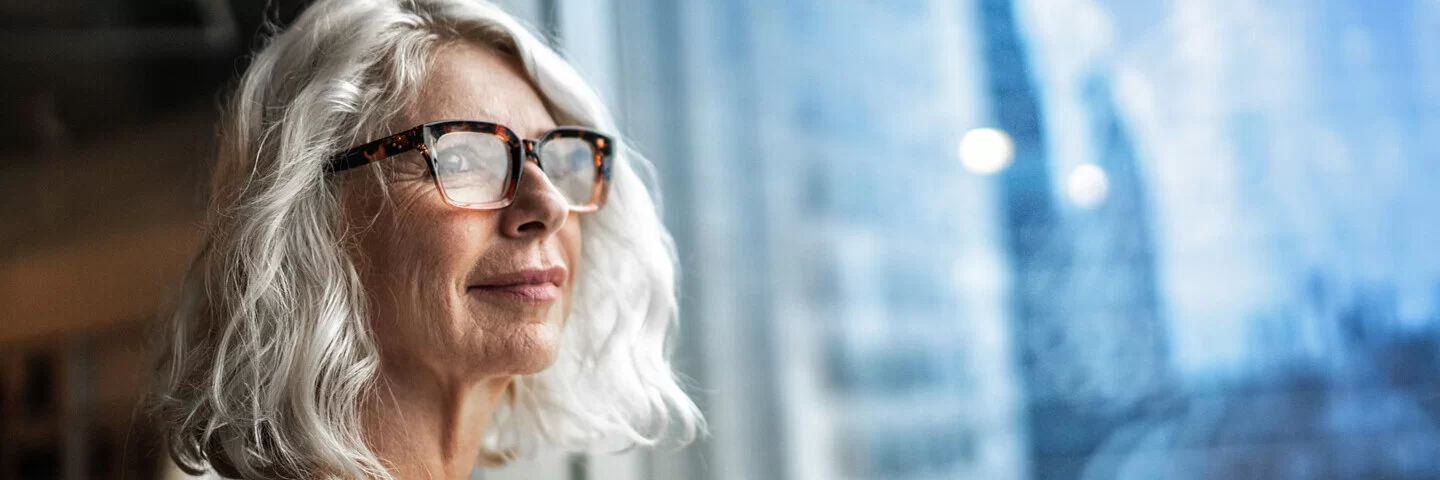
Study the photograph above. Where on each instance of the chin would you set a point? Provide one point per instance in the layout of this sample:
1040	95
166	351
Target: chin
523	349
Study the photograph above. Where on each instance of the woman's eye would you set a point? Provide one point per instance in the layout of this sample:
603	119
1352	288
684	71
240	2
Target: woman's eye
457	159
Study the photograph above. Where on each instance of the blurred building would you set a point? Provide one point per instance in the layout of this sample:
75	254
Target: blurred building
1090	339
890	335
1270	207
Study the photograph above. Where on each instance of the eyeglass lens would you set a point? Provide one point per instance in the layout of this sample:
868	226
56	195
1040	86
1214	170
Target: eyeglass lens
471	167
570	165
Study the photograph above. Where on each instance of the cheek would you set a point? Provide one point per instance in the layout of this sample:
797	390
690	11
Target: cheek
415	257
569	240
572	244
424	244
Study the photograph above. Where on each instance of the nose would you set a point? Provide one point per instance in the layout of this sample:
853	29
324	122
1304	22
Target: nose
538	209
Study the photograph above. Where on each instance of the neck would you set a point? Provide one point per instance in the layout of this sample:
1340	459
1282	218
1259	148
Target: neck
429	426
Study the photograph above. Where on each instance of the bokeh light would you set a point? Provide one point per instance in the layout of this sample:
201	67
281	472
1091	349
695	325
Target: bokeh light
986	150
1087	186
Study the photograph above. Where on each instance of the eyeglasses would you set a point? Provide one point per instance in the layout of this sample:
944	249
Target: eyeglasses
477	165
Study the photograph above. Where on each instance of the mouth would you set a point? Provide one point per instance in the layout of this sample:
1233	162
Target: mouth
530	285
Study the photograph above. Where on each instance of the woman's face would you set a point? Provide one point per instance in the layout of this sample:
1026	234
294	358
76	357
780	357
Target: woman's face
465	292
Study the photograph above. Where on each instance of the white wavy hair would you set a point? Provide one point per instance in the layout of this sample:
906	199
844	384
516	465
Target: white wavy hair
262	368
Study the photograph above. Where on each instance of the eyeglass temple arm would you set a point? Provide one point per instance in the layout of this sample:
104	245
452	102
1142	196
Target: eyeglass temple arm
377	150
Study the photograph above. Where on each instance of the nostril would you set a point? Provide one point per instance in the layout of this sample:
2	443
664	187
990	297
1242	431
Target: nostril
528	226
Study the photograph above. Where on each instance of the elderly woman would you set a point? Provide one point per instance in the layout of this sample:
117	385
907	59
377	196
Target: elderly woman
427	247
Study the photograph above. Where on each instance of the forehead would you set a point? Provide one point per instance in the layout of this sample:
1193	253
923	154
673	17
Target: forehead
468	82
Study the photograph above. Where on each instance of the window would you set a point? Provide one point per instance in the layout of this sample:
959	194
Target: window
1198	215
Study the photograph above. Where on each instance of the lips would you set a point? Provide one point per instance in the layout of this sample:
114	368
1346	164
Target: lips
524	285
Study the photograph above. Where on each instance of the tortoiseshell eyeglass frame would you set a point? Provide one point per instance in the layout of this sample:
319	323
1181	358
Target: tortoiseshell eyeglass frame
422	136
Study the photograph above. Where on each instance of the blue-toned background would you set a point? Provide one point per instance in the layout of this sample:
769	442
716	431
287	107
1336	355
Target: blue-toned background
1058	239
